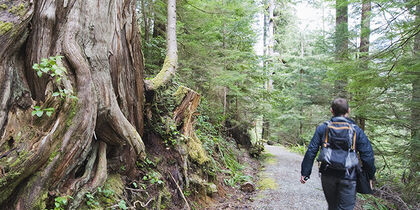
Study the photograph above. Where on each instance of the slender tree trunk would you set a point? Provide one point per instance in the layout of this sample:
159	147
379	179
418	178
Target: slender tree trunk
364	52
269	69
341	42
415	108
171	59
103	58
145	21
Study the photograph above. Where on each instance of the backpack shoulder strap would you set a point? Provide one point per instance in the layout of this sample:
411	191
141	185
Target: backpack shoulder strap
353	147
327	123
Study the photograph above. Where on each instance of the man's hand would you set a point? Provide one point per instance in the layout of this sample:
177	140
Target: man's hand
371	184
303	179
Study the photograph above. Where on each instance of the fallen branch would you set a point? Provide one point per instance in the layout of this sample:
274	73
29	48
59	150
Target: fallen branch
179	188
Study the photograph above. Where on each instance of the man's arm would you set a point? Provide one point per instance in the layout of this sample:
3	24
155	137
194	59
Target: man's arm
366	153
308	160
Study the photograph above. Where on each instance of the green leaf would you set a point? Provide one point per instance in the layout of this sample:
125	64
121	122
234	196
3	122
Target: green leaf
39	73
33	113
35	66
122	205
39	113
55	94
49	113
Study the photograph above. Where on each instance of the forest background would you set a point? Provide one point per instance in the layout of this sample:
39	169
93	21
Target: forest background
368	53
86	123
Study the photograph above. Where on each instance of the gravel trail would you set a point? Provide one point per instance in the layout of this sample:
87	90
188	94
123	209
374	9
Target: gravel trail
282	172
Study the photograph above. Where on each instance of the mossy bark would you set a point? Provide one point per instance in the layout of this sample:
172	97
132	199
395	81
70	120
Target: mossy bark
66	153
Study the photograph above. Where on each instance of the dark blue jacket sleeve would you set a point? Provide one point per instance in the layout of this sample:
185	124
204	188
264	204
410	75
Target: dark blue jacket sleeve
313	148
366	152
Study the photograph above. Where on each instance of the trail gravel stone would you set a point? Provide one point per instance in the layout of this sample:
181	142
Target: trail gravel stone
283	168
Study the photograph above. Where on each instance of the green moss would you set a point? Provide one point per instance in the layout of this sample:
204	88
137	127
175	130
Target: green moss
196	150
21	158
116	184
267	183
159	79
180	93
41	204
3	6
72	112
5	27
18	9
271	161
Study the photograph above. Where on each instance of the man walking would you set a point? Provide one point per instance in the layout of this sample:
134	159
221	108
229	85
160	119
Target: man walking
339	185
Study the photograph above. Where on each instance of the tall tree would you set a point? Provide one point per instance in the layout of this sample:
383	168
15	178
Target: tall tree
269	65
415	104
341	42
67	151
171	59
364	49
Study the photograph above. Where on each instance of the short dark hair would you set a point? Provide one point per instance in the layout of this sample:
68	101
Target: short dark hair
340	106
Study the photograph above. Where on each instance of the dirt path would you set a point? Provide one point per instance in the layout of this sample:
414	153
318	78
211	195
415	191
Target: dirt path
280	184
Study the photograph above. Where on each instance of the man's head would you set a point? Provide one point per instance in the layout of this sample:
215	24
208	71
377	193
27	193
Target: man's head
340	107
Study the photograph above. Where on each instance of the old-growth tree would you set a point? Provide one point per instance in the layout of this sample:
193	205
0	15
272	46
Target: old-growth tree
68	152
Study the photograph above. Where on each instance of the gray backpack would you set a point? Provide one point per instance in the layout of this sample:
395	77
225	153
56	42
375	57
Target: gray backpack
338	150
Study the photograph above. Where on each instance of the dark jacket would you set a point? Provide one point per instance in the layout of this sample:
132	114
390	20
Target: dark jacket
363	146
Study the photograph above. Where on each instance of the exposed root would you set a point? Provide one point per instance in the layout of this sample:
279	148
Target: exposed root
126	131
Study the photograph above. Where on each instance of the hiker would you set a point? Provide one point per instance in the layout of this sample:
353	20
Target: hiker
339	184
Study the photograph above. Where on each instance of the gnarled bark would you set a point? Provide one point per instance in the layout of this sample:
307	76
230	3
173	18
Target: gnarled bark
66	153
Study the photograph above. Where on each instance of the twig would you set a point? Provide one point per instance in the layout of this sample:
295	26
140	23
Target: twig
141	203
135	190
179	188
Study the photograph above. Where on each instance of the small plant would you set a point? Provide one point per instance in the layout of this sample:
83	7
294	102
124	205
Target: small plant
61	202
122	205
90	200
153	177
39	112
52	68
106	192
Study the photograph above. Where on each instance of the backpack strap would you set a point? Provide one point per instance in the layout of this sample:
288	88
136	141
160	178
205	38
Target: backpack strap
328	123
353	147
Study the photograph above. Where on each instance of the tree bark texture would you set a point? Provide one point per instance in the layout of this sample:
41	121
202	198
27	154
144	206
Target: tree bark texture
67	152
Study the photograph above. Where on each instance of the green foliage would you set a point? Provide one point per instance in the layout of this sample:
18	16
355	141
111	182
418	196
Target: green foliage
52	68
373	203
300	149
38	111
122	205
61	202
91	201
153	177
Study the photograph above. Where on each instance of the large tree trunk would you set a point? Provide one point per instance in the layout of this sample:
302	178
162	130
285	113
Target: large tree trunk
67	152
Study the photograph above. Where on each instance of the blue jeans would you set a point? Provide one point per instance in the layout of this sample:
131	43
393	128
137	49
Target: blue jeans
340	193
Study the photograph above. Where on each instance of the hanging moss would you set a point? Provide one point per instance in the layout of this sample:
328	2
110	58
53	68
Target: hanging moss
5	27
